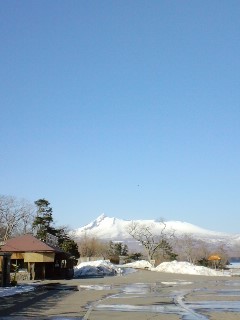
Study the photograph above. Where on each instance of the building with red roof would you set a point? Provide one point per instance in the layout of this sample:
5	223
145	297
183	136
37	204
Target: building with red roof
39	259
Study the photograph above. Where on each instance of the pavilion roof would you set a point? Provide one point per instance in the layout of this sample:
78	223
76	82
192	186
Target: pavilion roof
27	243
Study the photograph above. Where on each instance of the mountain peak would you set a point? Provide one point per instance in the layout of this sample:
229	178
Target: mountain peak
101	217
112	228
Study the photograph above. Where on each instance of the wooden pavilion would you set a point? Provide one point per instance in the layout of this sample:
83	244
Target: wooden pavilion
39	259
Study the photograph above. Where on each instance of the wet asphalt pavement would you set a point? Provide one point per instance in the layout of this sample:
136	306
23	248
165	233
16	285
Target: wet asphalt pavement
142	296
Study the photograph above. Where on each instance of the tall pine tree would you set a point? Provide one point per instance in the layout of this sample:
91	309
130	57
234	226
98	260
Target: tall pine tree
42	222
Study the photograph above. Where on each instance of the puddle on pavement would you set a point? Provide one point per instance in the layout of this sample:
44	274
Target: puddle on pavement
229	293
223	306
138	288
164	309
187	310
95	287
175	283
233	284
151	308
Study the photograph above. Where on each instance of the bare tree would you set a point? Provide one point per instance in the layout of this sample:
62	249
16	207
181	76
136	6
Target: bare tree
16	216
153	243
235	250
203	249
189	249
90	246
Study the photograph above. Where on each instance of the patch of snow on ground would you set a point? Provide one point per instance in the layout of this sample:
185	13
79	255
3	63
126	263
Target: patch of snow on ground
10	291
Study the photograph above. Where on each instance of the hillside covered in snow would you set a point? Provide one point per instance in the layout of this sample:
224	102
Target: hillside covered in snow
107	228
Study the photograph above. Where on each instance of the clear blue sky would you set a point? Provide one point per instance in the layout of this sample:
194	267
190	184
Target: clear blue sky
129	108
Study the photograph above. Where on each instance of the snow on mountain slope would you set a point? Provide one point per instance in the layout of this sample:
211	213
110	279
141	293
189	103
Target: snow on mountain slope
105	228
108	228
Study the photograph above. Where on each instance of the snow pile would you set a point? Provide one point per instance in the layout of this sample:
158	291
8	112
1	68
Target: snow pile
99	268
103	268
141	264
186	268
176	267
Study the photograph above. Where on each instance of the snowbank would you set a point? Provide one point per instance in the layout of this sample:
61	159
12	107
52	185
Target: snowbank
106	268
186	268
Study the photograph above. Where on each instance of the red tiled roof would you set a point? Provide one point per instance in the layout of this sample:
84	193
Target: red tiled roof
26	243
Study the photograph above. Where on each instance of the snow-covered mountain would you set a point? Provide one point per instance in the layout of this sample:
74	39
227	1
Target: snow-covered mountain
114	229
